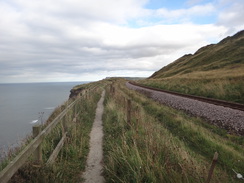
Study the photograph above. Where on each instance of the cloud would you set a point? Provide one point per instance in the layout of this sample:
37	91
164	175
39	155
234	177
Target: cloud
233	15
86	40
104	10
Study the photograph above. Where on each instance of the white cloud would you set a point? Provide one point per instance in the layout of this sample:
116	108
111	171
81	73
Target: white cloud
232	17
103	10
73	40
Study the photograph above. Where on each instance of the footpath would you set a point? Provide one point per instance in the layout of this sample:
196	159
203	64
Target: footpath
94	165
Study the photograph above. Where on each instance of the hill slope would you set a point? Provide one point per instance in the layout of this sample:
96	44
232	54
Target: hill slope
228	54
214	71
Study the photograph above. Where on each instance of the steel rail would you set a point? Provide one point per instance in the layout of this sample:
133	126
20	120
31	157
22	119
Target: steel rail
223	103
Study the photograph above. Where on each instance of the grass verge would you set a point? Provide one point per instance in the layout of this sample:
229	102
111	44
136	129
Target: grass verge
229	89
162	144
71	160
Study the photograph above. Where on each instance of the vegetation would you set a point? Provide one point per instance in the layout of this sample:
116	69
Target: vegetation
160	144
164	145
215	71
229	89
71	160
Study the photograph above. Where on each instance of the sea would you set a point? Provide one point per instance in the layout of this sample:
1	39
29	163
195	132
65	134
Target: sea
23	105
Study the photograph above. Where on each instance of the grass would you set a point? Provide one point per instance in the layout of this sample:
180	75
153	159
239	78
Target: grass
160	144
71	160
227	54
214	71
12	153
163	145
224	88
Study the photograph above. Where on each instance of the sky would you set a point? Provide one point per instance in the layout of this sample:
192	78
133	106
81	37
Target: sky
88	40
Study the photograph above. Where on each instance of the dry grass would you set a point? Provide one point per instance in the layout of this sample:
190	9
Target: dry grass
162	144
215	71
72	157
220	85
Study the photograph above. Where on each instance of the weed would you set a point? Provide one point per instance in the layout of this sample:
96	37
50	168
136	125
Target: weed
71	160
162	144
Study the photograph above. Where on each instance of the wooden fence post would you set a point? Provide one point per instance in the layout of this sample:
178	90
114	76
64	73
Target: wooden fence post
34	145
111	89
124	102
36	130
88	94
137	110
129	111
210	173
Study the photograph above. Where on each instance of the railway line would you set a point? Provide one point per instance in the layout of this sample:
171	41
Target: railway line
223	103
226	115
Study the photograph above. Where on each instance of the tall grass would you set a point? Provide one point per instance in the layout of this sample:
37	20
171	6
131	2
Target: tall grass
162	144
229	89
72	157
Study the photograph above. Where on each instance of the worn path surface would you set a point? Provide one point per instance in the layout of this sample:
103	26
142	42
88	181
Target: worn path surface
94	166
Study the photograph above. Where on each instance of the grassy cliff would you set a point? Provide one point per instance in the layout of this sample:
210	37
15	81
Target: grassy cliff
71	160
215	71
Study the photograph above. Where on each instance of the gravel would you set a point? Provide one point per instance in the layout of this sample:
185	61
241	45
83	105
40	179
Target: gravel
230	119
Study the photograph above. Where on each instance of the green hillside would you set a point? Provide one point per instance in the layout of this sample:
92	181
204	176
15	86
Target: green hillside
228	54
215	71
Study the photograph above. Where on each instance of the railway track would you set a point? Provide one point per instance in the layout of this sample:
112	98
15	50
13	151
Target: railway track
203	99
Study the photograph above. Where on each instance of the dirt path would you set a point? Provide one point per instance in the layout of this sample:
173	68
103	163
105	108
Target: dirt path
94	166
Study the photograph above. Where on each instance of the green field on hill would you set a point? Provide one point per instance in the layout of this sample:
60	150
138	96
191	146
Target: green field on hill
214	71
